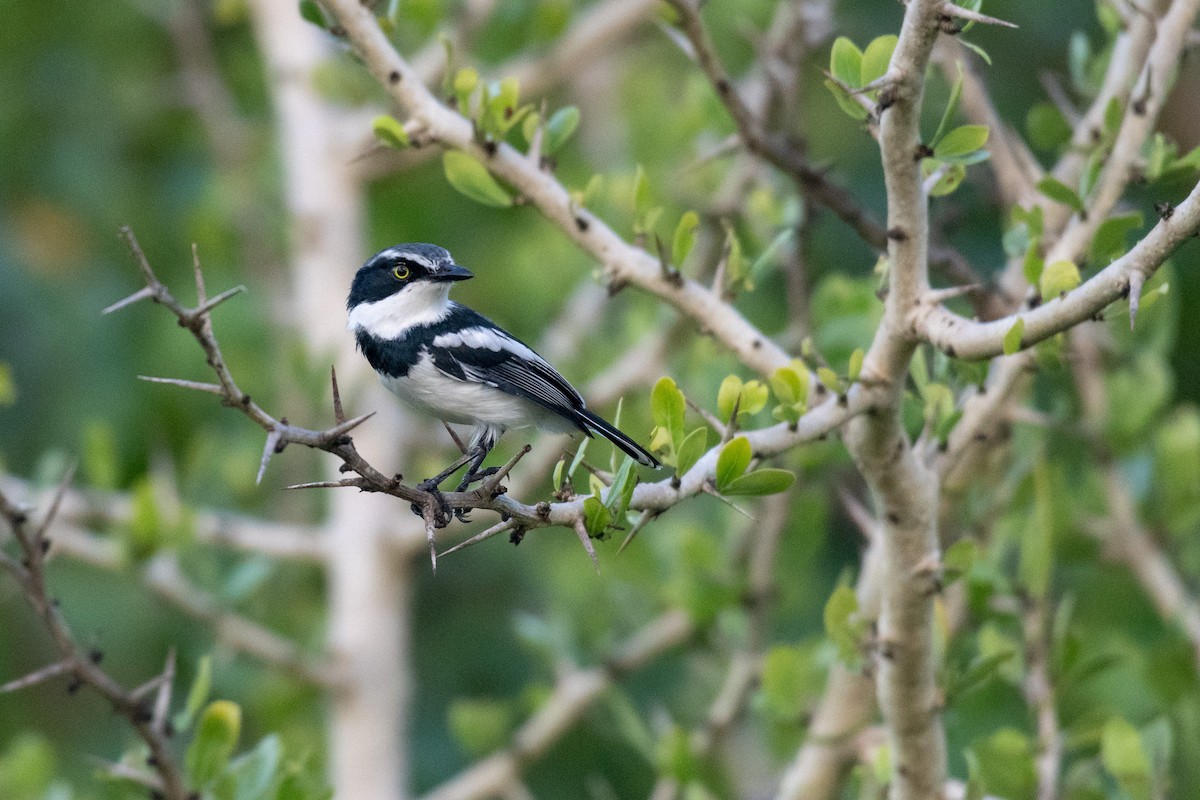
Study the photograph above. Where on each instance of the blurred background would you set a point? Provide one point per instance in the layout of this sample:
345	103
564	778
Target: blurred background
170	117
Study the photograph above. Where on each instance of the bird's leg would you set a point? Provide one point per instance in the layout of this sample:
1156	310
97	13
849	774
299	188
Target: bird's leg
430	486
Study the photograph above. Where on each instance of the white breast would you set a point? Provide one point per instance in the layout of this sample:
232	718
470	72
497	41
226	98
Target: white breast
429	390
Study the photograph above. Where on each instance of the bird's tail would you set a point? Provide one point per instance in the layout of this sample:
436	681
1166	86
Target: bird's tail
592	422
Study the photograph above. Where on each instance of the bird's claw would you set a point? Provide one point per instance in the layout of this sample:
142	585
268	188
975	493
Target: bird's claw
443	512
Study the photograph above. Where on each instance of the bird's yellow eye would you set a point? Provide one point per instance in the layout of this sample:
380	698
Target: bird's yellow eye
401	273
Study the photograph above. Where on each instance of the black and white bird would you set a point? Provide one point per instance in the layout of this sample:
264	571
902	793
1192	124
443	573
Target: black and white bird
454	364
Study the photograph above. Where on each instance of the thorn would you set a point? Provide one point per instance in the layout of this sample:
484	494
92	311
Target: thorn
1136	280
335	433
953	10
489	485
52	512
499	527
162	703
346	482
272	446
581	531
201	291
216	301
211	388
339	414
646	516
938	296
38	676
144	293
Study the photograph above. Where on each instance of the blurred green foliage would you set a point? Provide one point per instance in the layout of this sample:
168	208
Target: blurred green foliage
96	133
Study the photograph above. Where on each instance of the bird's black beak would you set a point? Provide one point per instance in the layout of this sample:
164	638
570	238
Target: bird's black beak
452	273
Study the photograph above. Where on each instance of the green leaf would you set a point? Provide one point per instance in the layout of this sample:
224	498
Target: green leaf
769	480
666	407
847	103
959	142
1033	264
732	461
950	180
728	396
480	725
979	51
216	736
197	694
559	127
753	400
620	492
596	517
951	107
787	674
877	58
959	558
641	193
842	625
694	445
978	672
845	62
472	179
1124	756
1059	192
8	387
856	362
466	80
100	460
790	384
1109	241
251	776
830	379
1047	128
684	238
1012	339
1058	279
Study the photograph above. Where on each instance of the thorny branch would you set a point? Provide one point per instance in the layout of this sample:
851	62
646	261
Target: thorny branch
657	496
147	718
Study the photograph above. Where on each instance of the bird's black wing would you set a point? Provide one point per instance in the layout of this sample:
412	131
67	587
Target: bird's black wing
485	353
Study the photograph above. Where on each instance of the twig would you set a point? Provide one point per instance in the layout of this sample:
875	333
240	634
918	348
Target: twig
82	665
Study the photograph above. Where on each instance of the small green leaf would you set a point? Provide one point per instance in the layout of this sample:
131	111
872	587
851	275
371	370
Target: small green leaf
693	447
620	492
1048	129
197	694
732	461
1012	339
479	724
560	126
830	379
1058	279
666	407
641	193
8	387
790	384
951	107
596	517
252	775
877	58
728	396
389	131
979	51
769	480
842	625
684	238
847	103
856	363
1124	756
753	400
959	558
472	179
978	672
216	735
845	62
959	142
1059	192
1036	563
466	80
1033	264
952	177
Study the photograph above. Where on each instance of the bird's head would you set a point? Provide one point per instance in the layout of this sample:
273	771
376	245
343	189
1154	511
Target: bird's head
406	284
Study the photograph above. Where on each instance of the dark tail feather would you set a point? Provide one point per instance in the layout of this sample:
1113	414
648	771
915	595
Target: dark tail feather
622	441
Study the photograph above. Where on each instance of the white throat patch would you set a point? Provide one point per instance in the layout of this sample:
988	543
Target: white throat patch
419	303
